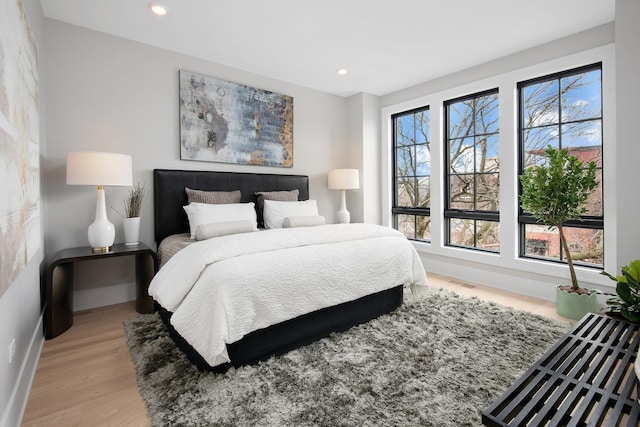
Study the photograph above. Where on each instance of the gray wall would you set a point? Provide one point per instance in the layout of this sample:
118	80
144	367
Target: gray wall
20	304
363	153
627	33
111	94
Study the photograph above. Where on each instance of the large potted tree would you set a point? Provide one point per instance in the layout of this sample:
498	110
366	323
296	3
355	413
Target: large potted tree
555	192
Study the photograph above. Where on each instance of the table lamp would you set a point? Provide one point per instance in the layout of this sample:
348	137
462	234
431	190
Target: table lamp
344	179
100	169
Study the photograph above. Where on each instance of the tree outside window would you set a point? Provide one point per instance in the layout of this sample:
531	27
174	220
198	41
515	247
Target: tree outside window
473	177
564	110
412	173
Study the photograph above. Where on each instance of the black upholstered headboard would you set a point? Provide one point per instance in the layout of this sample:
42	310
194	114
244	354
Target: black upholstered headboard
169	196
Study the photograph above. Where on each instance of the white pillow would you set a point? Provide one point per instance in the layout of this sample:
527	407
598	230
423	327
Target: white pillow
216	229
205	213
275	211
302	221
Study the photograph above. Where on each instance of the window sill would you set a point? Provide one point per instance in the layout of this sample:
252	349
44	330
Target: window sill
500	263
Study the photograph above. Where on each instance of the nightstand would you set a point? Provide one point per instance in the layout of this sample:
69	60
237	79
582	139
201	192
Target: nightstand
58	313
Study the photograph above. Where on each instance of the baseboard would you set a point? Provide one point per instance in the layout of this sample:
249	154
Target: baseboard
20	393
537	285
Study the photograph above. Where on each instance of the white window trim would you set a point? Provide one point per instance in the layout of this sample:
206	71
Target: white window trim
508	152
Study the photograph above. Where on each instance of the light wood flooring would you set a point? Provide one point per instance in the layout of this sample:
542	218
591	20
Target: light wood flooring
85	376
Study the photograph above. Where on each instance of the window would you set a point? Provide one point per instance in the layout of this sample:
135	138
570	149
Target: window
563	110
472	201
412	173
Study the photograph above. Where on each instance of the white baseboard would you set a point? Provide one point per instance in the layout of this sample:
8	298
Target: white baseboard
20	394
537	285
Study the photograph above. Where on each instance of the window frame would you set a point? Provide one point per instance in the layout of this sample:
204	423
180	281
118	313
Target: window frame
592	222
450	213
403	210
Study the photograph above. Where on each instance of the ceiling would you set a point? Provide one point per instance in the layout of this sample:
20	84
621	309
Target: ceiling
385	45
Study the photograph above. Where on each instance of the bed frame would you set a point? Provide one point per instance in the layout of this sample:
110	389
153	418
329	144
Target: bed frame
169	196
170	218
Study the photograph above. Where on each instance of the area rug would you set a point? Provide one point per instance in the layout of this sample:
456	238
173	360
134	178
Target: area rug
439	361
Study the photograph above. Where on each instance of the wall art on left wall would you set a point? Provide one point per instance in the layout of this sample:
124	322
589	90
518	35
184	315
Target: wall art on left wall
228	122
19	144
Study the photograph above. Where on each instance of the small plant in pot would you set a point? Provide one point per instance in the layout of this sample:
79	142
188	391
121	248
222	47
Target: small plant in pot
133	202
131	219
554	193
627	301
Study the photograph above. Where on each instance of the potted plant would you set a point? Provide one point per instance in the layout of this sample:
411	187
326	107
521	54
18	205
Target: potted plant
554	193
131	219
627	301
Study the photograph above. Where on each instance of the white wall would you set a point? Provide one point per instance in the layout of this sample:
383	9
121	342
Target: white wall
506	270
111	94
363	140
20	304
627	33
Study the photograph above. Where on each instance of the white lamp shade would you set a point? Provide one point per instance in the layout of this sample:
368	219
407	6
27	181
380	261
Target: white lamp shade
97	168
344	179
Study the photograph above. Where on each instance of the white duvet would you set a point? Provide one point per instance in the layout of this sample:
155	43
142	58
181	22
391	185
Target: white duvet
223	288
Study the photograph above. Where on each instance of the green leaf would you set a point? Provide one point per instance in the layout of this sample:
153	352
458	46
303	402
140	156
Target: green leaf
634	269
623	291
631	316
558	191
604	273
631	273
627	277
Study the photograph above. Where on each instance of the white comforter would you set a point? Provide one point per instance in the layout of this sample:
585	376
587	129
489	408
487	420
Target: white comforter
223	288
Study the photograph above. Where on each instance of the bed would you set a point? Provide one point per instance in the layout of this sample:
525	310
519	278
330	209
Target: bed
259	326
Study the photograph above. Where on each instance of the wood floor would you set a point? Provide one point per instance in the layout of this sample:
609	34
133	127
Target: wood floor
85	376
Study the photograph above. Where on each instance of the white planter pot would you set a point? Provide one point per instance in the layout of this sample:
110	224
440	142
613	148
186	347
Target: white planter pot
575	306
131	228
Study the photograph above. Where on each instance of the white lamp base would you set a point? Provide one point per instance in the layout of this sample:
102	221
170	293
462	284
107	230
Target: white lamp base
101	233
344	217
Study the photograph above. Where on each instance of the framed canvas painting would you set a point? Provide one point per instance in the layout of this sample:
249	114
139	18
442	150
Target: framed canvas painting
19	144
227	122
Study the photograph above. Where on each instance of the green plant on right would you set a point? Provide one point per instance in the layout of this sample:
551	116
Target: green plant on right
627	301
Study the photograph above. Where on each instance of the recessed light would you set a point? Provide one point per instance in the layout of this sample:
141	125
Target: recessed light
158	9
342	71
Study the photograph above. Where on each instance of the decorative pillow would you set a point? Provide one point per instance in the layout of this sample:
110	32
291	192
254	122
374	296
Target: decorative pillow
207	231
302	221
205	213
275	211
213	197
282	196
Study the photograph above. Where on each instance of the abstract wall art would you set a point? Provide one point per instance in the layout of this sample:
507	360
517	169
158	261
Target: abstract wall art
19	143
227	122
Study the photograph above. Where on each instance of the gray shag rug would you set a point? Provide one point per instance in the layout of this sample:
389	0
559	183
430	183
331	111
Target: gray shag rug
439	361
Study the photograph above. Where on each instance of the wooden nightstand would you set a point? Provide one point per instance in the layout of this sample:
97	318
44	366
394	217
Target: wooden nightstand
58	313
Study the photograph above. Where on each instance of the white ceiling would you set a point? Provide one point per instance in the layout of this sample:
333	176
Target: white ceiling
386	45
